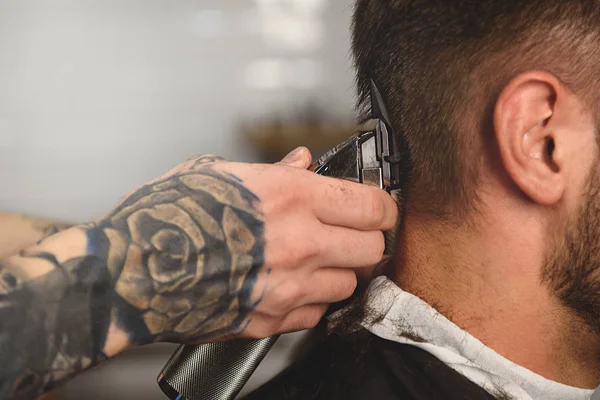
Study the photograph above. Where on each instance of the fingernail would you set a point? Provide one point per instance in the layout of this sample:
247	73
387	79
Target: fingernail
293	156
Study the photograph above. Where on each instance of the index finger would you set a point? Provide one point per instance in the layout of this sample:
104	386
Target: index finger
352	205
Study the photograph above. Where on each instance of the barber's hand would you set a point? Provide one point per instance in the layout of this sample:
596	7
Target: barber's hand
214	250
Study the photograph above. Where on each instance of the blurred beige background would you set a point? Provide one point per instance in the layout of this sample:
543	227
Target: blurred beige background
99	96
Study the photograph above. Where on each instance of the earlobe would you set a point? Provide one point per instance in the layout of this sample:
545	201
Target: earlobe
525	130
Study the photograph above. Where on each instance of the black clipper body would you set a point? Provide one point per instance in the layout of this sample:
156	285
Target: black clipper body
219	371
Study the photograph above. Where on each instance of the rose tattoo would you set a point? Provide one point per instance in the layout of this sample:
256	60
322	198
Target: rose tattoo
184	252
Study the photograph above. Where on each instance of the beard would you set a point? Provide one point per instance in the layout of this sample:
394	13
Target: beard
572	270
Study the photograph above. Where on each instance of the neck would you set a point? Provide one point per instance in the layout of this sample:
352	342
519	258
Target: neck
485	278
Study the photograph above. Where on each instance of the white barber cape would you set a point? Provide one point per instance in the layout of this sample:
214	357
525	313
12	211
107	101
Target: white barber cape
457	348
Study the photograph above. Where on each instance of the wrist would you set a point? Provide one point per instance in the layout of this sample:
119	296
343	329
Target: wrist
88	248
125	268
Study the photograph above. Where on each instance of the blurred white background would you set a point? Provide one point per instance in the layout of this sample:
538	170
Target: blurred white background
99	96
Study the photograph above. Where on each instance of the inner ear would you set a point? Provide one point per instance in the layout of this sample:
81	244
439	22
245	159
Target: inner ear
550	146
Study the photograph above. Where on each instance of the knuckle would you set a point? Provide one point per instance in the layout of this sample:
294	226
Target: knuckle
286	296
276	200
284	247
277	197
295	180
291	195
301	249
307	244
314	318
310	318
294	249
317	246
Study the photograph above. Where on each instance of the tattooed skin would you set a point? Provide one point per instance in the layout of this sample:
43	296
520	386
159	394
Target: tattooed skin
177	260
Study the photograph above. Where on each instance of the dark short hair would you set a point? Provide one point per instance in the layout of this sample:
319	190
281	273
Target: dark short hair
441	64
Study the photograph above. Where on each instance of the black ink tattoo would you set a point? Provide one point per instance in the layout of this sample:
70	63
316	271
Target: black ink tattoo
184	253
177	260
49	322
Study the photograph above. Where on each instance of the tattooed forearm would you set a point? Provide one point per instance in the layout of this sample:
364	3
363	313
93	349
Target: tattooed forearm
17	232
53	307
176	261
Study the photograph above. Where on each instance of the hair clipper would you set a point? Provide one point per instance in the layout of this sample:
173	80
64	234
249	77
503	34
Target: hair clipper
219	371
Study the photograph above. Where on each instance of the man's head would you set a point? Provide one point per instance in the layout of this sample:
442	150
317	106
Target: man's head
497	101
442	64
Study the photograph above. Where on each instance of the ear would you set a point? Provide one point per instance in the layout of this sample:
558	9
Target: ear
529	120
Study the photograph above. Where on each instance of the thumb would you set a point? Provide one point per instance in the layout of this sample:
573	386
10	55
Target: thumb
300	158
